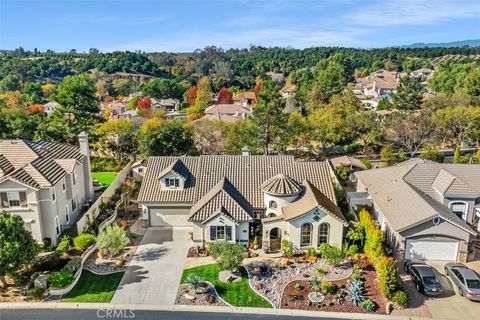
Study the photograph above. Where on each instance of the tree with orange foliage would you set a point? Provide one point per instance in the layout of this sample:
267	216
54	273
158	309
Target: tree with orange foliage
37	108
258	87
225	96
144	106
192	95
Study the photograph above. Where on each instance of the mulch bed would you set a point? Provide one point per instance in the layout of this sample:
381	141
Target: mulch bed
298	299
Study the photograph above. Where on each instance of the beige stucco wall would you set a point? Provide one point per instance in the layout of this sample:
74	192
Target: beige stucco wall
291	230
281	202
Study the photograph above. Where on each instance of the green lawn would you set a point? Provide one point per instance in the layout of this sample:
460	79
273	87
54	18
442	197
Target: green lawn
94	288
105	178
236	293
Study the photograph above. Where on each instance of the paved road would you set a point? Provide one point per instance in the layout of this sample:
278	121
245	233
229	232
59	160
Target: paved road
154	273
76	314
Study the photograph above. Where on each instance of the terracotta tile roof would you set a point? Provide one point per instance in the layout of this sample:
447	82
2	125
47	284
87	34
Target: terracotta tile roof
226	198
246	173
281	185
249	95
38	164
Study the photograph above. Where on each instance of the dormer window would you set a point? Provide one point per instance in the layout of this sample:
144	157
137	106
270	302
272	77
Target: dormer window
172	182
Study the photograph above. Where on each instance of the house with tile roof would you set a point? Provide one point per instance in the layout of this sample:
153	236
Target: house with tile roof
428	210
227	112
46	183
239	197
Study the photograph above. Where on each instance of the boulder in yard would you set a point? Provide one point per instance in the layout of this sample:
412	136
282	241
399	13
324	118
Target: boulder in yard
41	281
229	276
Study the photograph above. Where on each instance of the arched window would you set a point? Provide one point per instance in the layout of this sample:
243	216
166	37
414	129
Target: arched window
323	232
306	235
459	208
272	205
271	215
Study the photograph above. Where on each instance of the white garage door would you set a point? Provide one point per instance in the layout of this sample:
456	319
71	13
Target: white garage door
168	217
431	250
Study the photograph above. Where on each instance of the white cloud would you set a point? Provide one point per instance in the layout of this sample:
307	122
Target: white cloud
413	12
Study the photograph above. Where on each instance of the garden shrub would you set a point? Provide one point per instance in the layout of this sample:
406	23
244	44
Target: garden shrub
35	293
112	240
106	165
229	256
320	271
373	236
343	172
328	287
400	298
387	275
60	279
369	305
64	245
316	284
332	254
287	248
83	241
353	249
73	265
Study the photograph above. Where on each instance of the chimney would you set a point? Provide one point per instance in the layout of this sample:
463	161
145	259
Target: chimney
84	149
245	151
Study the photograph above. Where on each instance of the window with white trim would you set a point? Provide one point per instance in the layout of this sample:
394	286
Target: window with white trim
220	233
323	232
172	182
57	226
306	235
13	199
67	214
74	203
459	209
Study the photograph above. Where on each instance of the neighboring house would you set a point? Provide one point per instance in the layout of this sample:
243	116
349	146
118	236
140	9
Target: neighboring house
50	107
277	77
423	74
245	99
46	183
228	197
351	162
227	112
379	84
169	104
425	208
138	169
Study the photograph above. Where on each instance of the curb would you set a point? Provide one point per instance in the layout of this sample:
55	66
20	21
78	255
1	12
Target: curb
204	309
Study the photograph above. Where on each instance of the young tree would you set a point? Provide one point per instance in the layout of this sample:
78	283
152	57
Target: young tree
192	95
112	240
229	256
387	154
225	96
409	94
144	106
132	103
268	116
204	94
17	247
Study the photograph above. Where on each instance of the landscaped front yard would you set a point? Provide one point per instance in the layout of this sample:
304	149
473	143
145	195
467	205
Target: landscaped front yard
236	293
94	288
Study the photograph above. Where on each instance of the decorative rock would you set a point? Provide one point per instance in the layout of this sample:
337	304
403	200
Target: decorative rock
229	276
41	281
189	297
316	297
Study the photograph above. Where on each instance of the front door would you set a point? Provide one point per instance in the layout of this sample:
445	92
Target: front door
275	239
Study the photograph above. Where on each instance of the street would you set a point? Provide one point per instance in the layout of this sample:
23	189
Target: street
89	314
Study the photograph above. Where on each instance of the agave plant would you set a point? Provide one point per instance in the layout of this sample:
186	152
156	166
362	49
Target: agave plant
316	284
355	292
194	281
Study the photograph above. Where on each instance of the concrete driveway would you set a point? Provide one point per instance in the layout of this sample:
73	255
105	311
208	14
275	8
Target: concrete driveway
449	305
155	271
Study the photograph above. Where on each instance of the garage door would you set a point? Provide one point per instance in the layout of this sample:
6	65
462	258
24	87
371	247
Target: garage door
169	217
431	250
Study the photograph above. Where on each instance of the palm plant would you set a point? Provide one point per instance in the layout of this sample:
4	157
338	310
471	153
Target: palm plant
316	284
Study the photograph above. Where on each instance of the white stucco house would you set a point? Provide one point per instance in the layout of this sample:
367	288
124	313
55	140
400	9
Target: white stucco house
46	183
239	197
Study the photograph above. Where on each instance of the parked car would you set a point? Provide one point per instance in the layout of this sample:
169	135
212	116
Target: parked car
465	279
408	263
424	277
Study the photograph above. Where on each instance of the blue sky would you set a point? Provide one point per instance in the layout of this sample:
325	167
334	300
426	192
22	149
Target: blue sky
185	25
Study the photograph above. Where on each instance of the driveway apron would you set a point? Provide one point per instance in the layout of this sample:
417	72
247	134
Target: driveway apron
154	273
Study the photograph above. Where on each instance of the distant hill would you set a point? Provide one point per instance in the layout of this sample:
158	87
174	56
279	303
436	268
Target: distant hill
470	43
